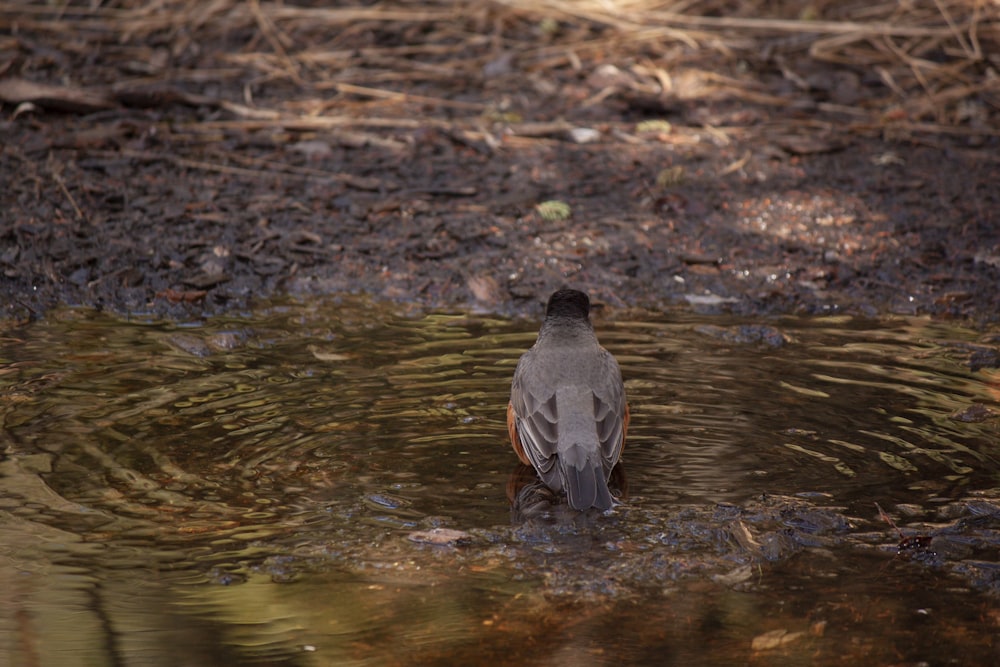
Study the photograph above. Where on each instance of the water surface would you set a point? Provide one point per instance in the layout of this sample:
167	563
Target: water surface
263	490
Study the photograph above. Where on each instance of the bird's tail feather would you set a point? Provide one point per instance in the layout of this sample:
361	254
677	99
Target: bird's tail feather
584	480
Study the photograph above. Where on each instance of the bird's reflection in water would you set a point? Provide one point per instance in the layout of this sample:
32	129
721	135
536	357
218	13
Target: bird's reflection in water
530	498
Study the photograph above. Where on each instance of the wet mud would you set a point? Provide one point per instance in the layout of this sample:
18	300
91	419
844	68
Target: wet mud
172	168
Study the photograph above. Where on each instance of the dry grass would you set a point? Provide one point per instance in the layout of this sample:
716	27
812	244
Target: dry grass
926	65
939	59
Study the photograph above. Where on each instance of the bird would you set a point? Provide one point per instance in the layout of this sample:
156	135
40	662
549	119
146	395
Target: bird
568	415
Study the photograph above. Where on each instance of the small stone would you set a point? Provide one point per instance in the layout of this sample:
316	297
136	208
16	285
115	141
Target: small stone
774	639
584	135
973	414
440	537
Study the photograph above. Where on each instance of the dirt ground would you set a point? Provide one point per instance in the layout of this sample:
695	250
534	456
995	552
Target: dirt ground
182	159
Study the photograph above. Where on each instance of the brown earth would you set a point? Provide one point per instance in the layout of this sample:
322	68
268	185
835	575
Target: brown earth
181	159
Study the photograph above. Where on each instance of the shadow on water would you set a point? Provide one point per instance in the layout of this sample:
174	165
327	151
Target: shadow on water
329	483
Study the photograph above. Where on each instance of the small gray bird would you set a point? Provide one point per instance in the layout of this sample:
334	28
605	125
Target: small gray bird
567	414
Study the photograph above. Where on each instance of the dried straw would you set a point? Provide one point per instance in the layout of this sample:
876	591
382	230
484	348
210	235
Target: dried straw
397	62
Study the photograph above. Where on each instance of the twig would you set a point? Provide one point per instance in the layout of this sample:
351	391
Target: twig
404	97
272	35
277	169
57	177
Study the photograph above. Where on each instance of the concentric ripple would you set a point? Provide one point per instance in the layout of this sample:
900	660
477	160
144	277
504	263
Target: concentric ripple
309	440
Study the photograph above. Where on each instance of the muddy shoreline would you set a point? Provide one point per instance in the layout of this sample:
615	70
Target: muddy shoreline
172	200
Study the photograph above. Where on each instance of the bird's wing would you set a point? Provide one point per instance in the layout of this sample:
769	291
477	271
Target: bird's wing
535	418
610	410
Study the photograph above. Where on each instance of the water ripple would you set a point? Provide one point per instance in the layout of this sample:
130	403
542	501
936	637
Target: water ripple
324	432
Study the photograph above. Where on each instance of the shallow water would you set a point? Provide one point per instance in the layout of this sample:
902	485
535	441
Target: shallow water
264	491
